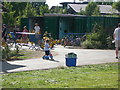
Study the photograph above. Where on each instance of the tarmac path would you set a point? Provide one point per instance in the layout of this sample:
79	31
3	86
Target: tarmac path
85	57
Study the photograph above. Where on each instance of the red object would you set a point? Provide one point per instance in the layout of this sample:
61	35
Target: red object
24	36
25	30
50	54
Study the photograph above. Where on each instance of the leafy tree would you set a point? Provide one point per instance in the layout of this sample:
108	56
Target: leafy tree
18	18
29	11
97	11
8	18
44	9
116	5
91	9
64	11
82	12
55	10
18	7
97	39
60	10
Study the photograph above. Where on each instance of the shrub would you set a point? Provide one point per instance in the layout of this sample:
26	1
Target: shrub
87	44
110	45
7	53
97	39
90	44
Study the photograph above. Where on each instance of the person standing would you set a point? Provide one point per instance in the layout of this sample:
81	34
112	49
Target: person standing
37	32
116	37
37	28
14	31
4	32
24	36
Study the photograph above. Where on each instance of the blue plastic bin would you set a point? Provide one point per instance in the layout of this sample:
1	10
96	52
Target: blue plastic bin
71	62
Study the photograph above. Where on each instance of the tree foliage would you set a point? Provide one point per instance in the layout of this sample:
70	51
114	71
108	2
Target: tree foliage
60	10
96	11
18	7
29	11
116	5
8	18
82	12
17	10
44	9
99	38
92	9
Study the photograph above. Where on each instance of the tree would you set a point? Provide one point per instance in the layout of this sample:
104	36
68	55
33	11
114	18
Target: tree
96	11
60	10
116	5
44	9
18	18
90	8
18	7
64	11
8	18
29	11
82	12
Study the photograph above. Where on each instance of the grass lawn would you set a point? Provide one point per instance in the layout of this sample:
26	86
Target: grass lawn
28	54
89	76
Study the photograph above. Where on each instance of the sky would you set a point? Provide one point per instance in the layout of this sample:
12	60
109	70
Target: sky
56	2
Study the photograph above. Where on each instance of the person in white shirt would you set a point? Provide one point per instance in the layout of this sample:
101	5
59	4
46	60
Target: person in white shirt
47	48
37	32
116	37
37	28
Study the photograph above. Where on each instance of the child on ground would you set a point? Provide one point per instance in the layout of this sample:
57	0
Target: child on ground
47	49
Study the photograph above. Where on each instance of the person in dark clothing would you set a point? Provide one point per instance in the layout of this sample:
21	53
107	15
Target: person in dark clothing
14	31
4	32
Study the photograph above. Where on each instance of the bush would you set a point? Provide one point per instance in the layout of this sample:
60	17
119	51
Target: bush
87	44
110	45
7	53
98	38
91	44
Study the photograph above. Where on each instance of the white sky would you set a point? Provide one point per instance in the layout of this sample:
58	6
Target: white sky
56	2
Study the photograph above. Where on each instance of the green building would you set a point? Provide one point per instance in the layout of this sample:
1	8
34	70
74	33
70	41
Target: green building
60	24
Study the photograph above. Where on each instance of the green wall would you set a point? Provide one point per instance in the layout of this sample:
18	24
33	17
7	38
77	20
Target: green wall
51	25
58	25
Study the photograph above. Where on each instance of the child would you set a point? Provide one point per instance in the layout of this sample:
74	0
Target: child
47	50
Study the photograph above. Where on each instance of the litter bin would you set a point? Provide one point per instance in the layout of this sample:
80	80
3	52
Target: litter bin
71	59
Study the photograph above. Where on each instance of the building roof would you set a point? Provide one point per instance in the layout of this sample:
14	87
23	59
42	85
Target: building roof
53	7
74	2
103	8
62	15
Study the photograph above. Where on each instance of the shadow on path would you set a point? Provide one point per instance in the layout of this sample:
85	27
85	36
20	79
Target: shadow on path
52	60
7	66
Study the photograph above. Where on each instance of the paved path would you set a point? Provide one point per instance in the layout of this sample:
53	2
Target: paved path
85	57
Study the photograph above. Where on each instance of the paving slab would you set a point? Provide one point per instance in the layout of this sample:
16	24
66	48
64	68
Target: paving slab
84	57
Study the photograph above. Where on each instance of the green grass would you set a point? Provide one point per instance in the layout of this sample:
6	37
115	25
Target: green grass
26	54
90	76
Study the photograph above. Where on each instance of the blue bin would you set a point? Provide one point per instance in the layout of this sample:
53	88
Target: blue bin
71	62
